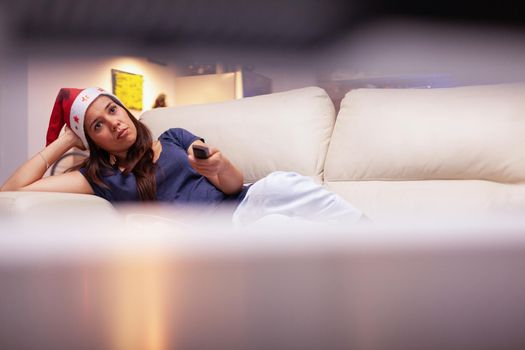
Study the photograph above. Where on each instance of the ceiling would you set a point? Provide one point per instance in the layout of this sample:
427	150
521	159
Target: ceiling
273	24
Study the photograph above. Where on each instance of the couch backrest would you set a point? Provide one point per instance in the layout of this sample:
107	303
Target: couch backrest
281	131
475	132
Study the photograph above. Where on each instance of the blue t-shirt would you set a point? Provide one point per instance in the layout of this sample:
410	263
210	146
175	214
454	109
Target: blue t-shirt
177	181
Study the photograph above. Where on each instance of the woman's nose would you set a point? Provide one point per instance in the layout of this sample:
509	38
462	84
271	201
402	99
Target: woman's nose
116	124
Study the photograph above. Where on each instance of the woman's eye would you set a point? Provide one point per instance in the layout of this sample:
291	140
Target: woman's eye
97	125
113	109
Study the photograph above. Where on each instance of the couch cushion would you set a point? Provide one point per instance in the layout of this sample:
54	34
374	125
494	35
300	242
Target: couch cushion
438	201
475	132
29	204
281	131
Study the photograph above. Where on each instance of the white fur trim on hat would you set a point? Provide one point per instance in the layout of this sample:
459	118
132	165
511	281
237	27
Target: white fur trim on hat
78	110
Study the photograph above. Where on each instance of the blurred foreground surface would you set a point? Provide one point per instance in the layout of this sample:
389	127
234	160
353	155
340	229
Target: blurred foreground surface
148	282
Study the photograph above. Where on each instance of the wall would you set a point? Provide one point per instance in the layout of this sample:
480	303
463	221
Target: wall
207	88
13	105
13	113
47	74
287	69
470	53
291	77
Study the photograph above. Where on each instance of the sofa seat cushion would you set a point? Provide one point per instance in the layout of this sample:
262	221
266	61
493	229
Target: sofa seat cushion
433	200
49	205
281	131
474	132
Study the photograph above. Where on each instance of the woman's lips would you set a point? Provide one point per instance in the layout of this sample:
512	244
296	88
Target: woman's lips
122	133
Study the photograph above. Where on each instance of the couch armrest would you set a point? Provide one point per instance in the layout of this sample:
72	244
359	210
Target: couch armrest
16	204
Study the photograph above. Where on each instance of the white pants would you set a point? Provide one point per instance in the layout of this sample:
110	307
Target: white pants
292	195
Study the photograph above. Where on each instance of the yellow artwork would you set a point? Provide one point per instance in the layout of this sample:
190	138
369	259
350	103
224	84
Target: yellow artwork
128	88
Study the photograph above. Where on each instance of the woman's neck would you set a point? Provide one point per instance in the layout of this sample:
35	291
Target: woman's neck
120	157
121	162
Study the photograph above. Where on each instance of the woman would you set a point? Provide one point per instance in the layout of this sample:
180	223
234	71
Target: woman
125	164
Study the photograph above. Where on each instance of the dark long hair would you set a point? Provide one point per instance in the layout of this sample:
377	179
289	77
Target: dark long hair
139	160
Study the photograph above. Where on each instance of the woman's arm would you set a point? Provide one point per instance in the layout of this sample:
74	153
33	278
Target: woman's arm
29	176
218	169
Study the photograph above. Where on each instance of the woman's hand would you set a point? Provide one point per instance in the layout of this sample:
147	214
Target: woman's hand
212	166
72	139
217	169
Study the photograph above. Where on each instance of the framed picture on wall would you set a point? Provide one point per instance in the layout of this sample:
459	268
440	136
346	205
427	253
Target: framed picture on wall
128	88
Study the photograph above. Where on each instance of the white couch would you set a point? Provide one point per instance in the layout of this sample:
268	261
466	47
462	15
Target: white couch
397	154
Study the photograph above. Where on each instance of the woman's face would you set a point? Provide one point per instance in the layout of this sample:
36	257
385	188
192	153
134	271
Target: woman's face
109	126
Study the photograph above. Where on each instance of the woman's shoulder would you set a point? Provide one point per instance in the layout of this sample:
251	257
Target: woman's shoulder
179	136
173	133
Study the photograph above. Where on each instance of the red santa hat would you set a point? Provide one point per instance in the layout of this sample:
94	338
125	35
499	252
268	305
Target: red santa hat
70	109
